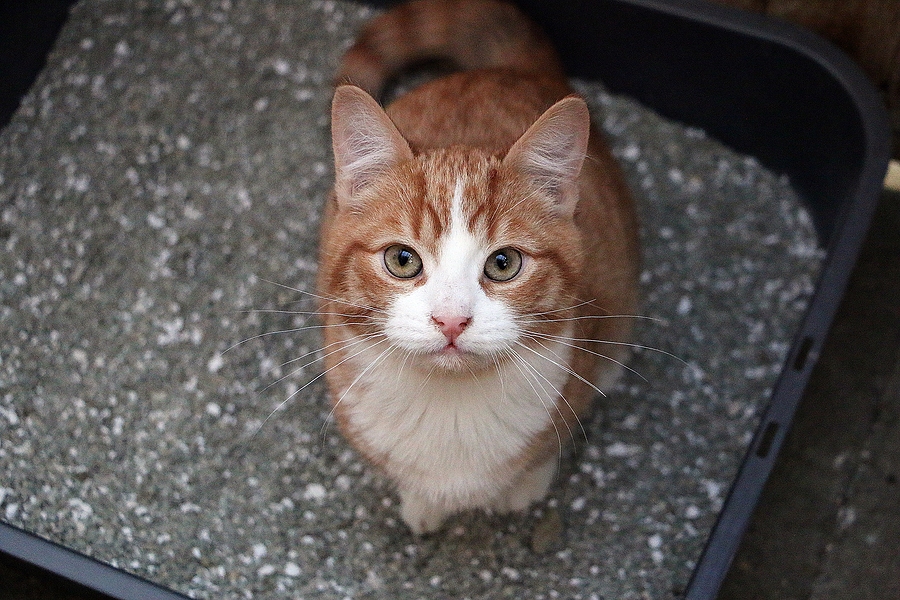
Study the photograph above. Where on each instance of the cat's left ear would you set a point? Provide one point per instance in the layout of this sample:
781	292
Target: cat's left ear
552	151
366	143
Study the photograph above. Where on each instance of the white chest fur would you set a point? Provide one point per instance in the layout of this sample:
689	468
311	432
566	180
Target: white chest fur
452	438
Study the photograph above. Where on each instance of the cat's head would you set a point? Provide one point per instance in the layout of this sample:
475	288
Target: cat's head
453	255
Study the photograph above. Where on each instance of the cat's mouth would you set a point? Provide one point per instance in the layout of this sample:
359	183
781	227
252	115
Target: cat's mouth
451	349
453	358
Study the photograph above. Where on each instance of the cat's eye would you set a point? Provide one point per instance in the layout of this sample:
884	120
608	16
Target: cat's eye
402	261
503	265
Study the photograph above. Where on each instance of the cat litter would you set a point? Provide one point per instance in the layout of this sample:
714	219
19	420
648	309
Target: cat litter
165	176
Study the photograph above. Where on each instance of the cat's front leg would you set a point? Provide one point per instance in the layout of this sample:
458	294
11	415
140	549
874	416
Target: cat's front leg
419	514
528	488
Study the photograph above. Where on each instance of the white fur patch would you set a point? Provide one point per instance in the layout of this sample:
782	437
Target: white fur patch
448	437
453	288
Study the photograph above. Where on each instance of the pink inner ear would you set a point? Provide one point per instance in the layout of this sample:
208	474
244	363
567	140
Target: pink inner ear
551	152
365	141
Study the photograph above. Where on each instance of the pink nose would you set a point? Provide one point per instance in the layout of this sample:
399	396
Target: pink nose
451	327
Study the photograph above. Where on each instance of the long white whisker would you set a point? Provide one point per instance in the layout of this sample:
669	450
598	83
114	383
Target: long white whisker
558	393
562	365
516	359
326	298
311	313
548	336
598	317
558	310
534	372
563	340
291	330
355	341
387	351
306	385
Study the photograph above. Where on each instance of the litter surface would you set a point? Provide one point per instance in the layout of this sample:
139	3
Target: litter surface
160	190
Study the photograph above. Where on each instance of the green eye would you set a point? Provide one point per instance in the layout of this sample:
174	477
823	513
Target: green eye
402	261
503	265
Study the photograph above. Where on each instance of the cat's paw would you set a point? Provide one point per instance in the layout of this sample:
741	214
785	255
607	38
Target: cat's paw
528	488
420	515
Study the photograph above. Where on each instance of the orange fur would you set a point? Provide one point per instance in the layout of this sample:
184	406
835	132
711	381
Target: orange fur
475	138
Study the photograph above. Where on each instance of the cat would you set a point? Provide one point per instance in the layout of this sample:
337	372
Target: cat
479	258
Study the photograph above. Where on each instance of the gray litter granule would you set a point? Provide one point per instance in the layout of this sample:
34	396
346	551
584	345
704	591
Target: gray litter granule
166	174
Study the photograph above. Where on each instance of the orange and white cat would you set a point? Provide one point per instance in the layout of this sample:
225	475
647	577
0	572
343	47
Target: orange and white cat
478	256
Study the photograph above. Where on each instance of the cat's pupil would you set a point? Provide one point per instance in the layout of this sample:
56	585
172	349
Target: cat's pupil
502	262
403	257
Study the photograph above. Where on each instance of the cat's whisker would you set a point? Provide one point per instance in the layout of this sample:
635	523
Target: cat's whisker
552	337
304	386
517	360
344	345
558	393
326	298
390	349
591	317
282	331
557	310
534	335
496	360
311	313
406	355
562	365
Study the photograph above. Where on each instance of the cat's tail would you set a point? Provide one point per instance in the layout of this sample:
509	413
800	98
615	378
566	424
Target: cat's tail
471	34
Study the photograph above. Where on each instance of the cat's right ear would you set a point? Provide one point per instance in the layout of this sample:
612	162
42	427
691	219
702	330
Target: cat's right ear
365	141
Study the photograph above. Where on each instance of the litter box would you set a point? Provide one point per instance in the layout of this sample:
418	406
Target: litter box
764	88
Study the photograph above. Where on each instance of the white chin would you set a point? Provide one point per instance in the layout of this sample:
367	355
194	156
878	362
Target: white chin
454	359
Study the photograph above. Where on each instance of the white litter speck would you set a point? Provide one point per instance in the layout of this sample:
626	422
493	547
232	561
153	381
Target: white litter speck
655	541
265	570
80	356
713	489
292	570
81	510
622	450
259	551
846	517
315	491
10	415
155	221
215	363
213	409
684	305
631	152
282	67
